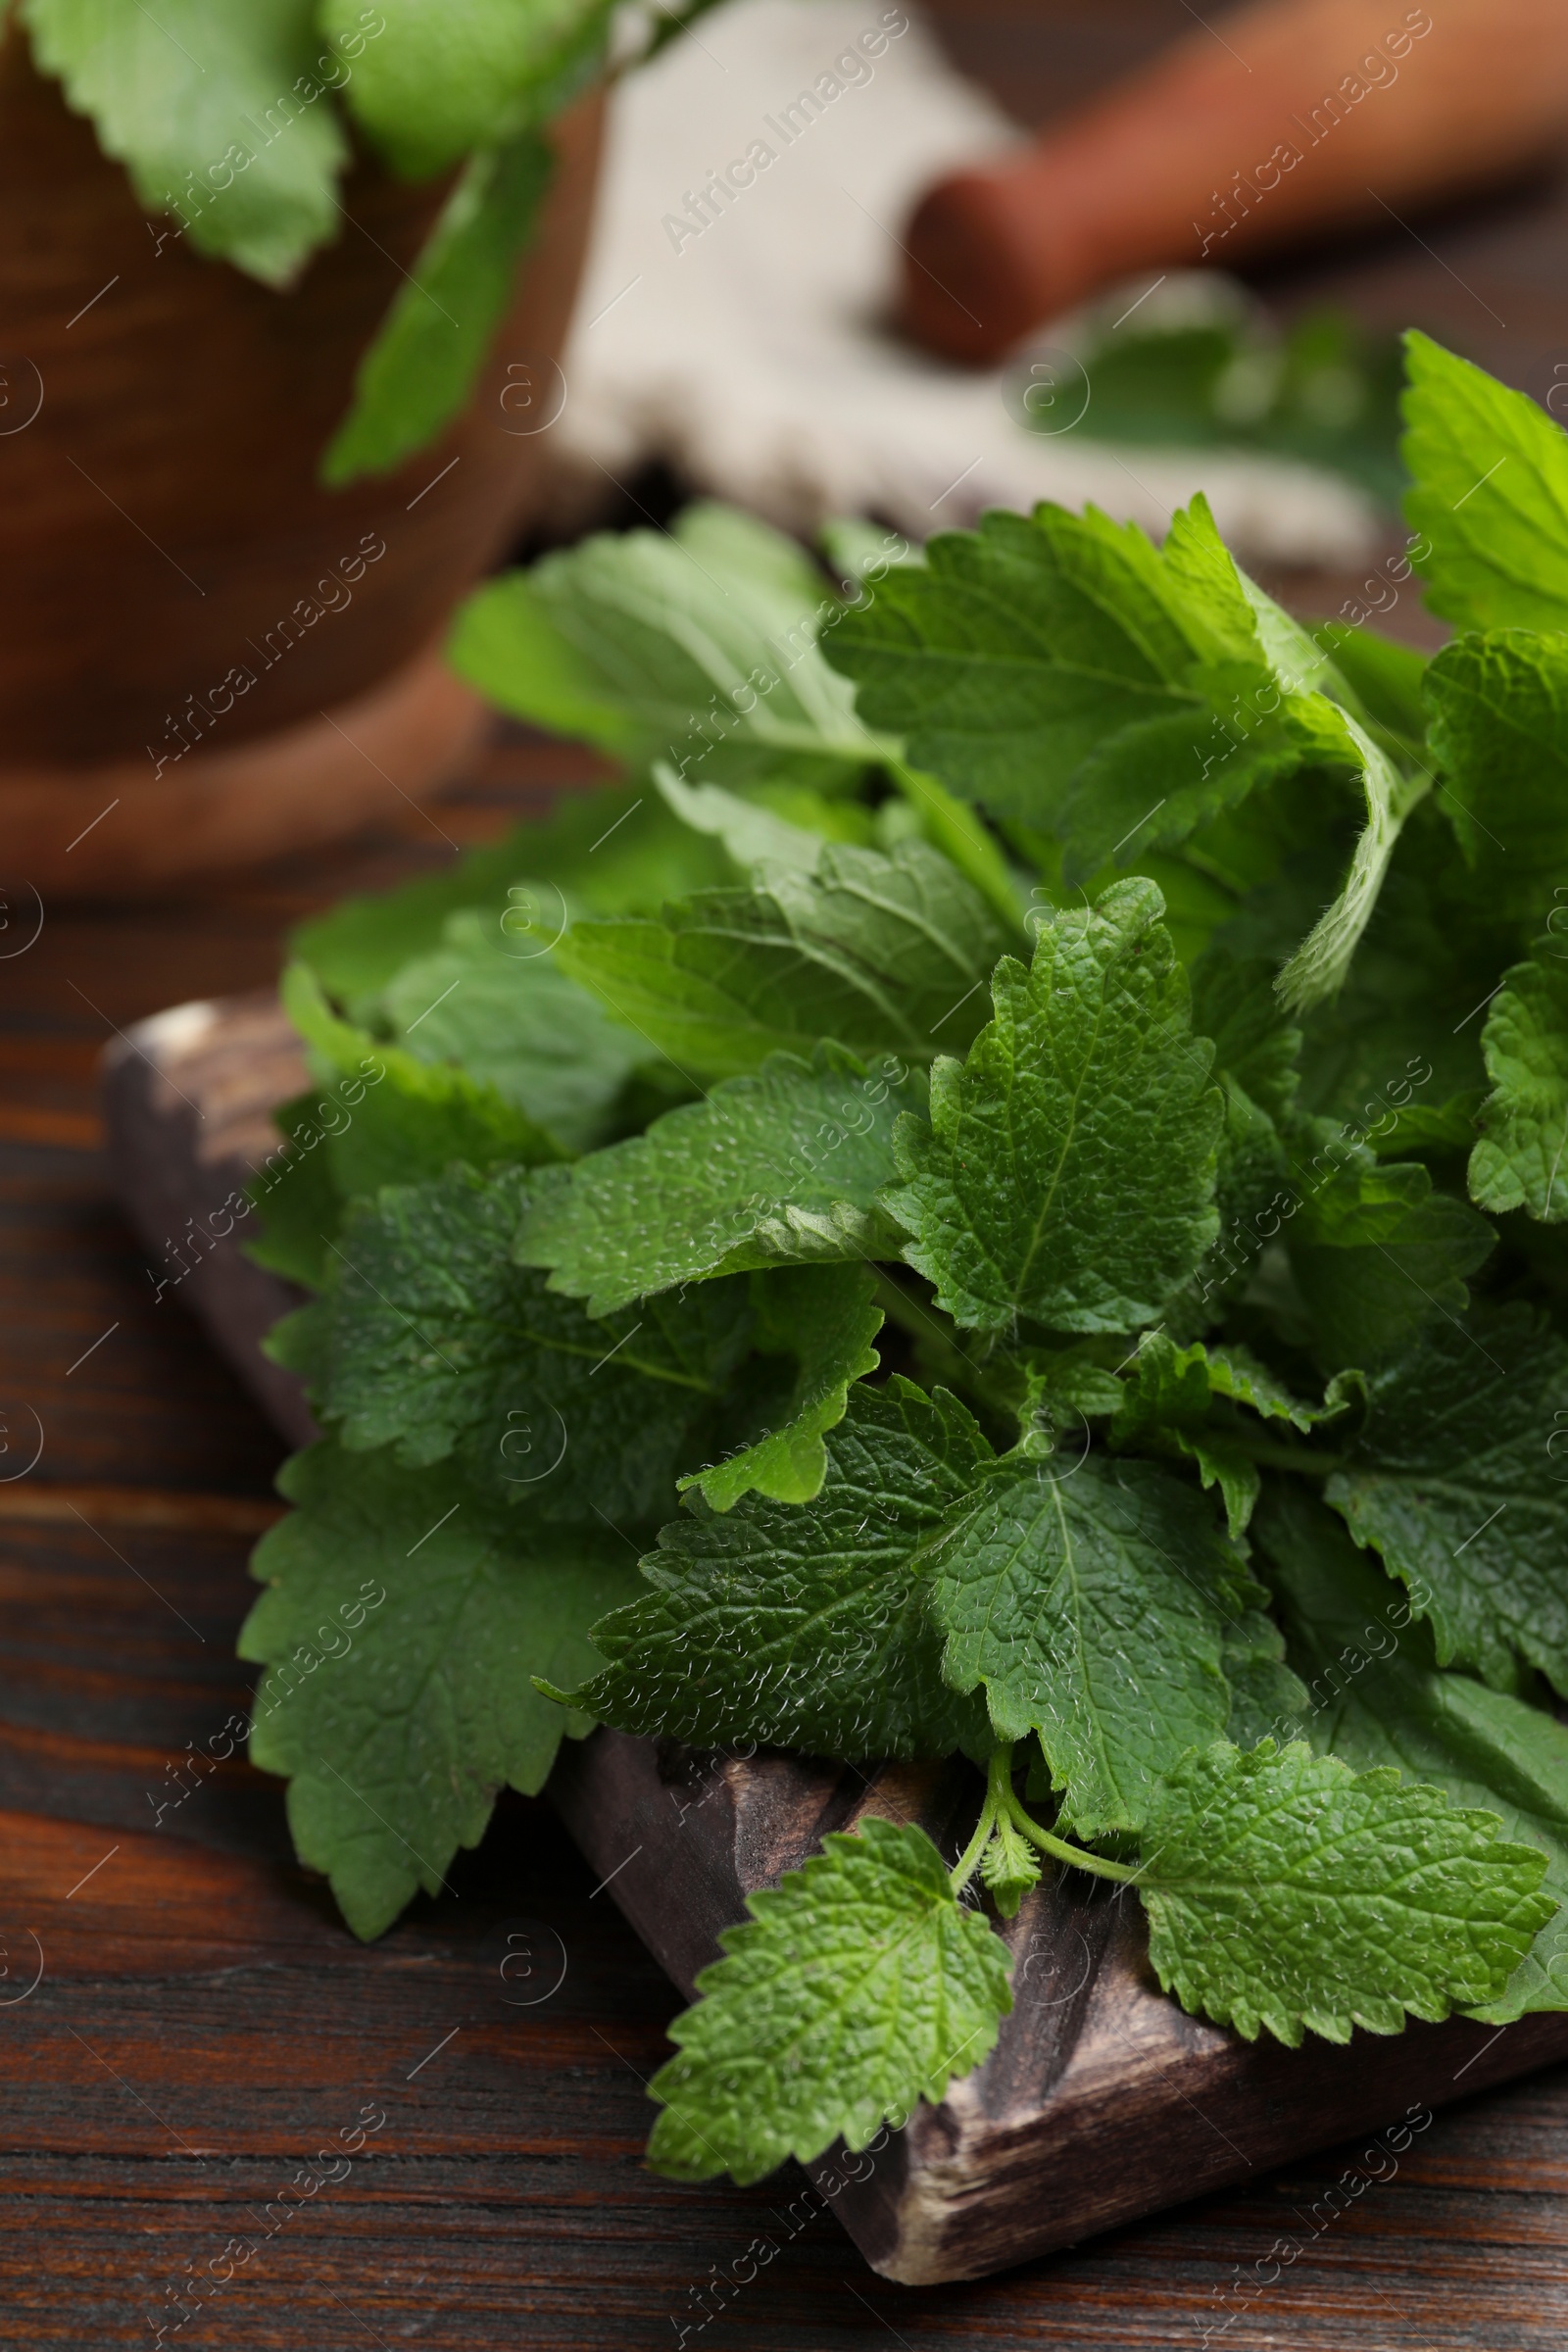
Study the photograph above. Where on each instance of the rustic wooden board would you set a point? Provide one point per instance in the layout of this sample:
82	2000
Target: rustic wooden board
1102	2101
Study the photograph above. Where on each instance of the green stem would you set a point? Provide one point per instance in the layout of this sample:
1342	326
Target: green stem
963	1869
1000	1800
1095	1864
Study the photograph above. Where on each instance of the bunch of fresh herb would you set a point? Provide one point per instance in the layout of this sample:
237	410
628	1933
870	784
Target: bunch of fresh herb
1021	1164
233	119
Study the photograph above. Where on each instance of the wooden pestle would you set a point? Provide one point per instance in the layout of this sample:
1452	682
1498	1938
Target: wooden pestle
1289	117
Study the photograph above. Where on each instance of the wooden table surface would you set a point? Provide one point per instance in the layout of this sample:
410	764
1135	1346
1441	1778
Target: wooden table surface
202	2024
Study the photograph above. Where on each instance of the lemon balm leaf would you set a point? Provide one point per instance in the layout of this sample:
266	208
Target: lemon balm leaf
1067	1172
808	1627
781	1168
858	1987
399	1718
1286	1891
191	89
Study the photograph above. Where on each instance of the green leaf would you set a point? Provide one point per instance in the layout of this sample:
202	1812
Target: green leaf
422	366
1524	1120
1063	1386
1269	1699
300	1203
1093	1607
884	954
954	829
1318	969
1407	1026
612	851
1068	1170
826	1317
1166	1408
192	91
859	1985
1324	394
447	81
505	642
1446	1130
1009	1867
430	1337
1222	1461
780	1168
1377	1697
1235	1372
500	1009
1499	712
1386	677
698	646
1489	495
1377	1254
1168	1386
806	1628
396	1719
1454	1480
756	839
1174	1387
1060	669
670	23
1285	1890
1235	1006
857	549
402	1119
301	1341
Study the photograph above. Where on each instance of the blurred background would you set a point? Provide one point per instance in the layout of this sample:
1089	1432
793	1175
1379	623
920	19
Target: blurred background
817	257
1021	249
761	355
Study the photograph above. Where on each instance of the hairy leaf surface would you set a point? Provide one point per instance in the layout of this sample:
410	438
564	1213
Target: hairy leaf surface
1375	1696
1455	1480
770	1171
1093	1607
826	1317
1062	669
1518	1164
1497	705
431	1337
1067	1173
1285	1890
399	1718
884	954
859	1985
808	1627
388	1118
1378	1254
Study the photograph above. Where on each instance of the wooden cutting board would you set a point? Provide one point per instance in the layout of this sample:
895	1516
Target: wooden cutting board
1102	2101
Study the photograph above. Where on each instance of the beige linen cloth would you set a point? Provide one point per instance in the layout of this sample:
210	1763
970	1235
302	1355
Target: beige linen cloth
745	255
